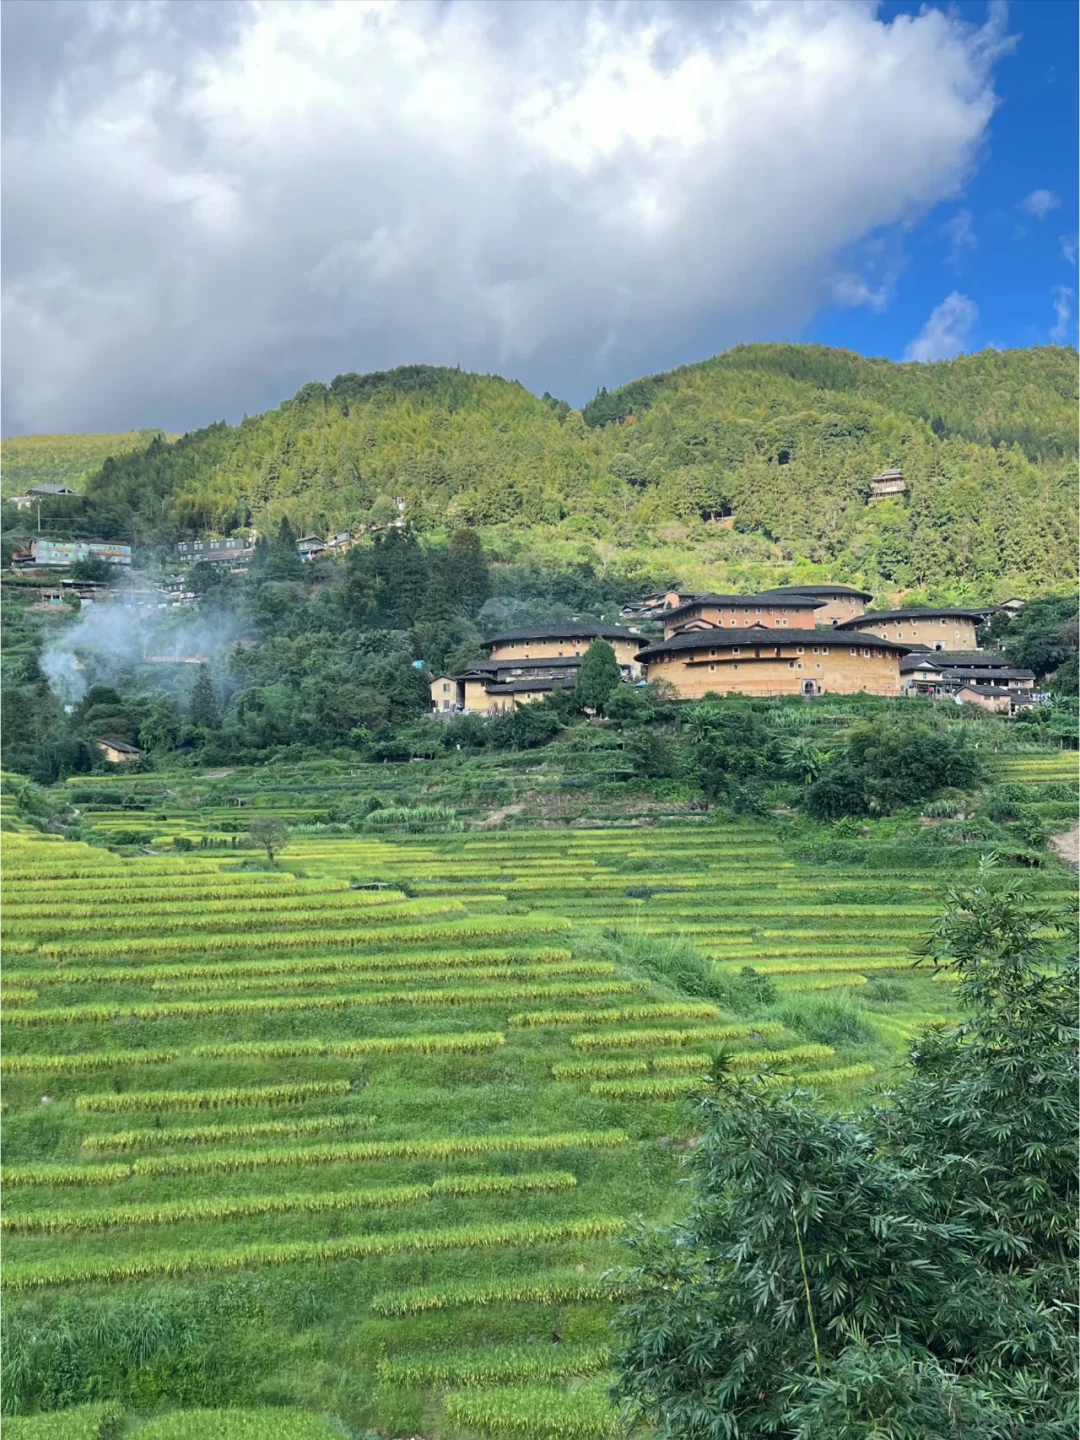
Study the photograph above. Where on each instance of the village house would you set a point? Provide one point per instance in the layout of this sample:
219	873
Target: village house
771	608
941	672
58	554
651	607
888	482
756	660
234	551
936	629
987	697
117	750
838	602
527	664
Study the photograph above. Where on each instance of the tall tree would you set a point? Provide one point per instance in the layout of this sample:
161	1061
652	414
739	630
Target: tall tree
283	561
203	707
598	677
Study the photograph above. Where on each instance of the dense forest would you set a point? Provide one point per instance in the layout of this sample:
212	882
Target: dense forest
748	469
62	459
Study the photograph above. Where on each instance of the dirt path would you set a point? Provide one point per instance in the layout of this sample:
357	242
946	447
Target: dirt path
1067	845
495	817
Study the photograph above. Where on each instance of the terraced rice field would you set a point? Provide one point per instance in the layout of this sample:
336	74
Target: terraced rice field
432	1105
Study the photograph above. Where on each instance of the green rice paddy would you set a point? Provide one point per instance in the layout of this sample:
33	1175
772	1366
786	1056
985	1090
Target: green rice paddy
407	1126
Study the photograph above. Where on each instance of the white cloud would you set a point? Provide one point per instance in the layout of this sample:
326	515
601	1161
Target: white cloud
209	205
1068	249
1063	331
1039	203
945	334
960	234
850	291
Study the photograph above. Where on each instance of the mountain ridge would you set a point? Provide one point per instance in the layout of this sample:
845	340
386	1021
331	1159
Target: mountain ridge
757	459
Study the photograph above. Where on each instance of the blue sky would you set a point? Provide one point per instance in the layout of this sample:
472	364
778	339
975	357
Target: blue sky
1016	264
209	203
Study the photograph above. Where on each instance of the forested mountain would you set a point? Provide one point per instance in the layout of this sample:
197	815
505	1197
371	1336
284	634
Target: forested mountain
753	467
29	460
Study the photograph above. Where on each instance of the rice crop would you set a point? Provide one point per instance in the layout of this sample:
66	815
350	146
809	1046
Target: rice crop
351	1154
211	1099
472	974
673	1011
635	1039
469	929
470	1042
534	1413
458	1009
13	996
161	1137
199	1009
527	1364
550	1288
163	1264
292	965
82	1061
55	1222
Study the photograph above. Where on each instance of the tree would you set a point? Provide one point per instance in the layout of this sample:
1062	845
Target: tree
598	677
283	559
889	763
94	568
801	758
465	571
203	707
269	832
733	744
906	1272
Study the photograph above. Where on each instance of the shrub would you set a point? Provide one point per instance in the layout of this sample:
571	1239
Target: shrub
827	1020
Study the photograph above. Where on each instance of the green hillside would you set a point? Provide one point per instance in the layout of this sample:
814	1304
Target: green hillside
62	459
781	438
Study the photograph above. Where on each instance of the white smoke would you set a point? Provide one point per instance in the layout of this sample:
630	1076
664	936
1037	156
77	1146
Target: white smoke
108	641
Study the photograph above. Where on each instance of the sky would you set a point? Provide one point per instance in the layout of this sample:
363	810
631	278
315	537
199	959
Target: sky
208	203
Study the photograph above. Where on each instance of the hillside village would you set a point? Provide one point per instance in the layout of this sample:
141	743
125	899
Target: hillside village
730	644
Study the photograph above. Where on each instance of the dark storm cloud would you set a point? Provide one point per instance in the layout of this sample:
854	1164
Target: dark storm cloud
207	204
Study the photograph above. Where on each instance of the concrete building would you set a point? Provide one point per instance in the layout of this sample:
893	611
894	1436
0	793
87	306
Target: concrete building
838	602
936	629
233	551
757	660
58	554
772	608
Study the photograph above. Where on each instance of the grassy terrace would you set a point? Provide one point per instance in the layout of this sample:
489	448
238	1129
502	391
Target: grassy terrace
398	1132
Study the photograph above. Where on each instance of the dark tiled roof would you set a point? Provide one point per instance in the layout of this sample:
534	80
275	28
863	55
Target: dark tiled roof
557	630
987	690
540	662
766	597
121	745
975	673
953	659
768	637
827	590
518	687
872	615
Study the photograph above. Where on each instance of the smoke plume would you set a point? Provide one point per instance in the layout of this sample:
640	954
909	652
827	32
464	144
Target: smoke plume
107	642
